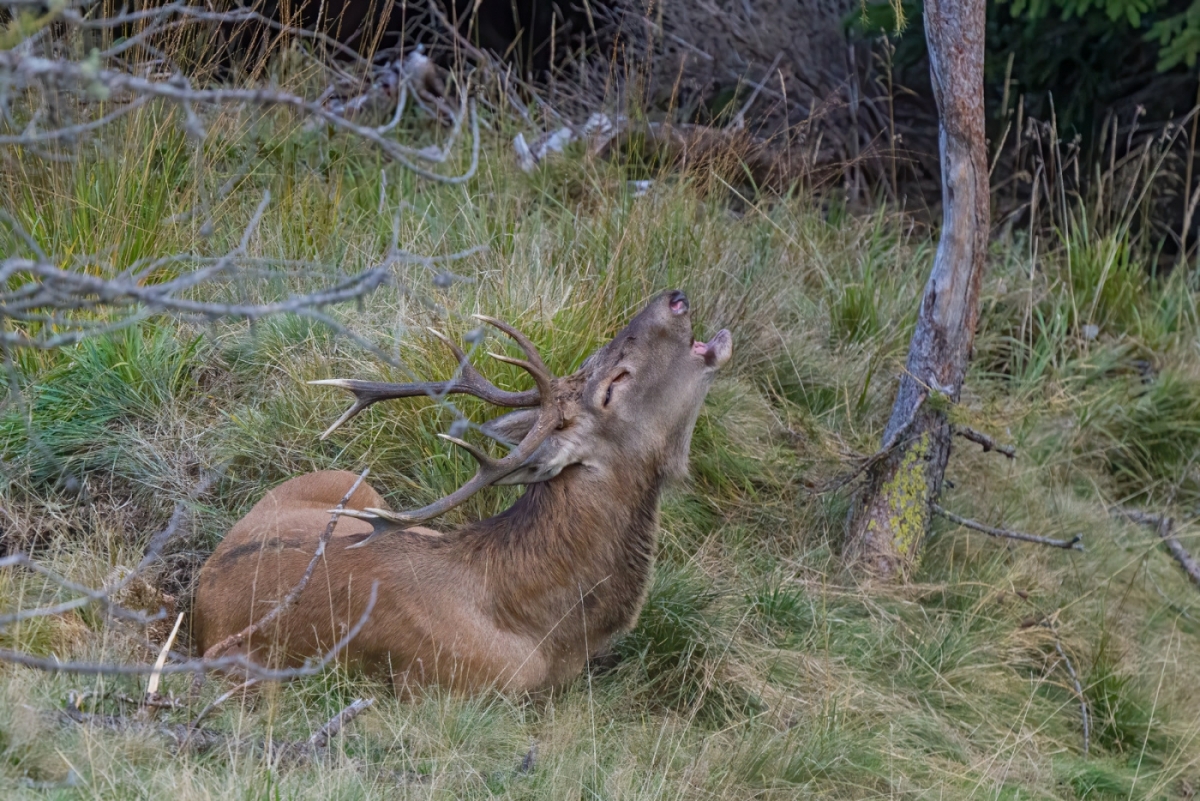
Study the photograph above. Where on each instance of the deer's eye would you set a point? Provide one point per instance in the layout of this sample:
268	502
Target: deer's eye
608	393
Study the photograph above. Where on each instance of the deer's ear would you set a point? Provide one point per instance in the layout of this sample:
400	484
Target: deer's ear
510	428
558	451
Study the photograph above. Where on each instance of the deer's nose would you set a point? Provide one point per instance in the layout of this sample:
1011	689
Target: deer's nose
678	301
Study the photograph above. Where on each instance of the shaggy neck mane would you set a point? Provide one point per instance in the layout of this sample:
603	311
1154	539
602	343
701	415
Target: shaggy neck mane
568	556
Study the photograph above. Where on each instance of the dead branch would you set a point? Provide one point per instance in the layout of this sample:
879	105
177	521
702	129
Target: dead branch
185	738
103	596
322	736
1083	706
188	738
1165	527
865	464
1075	543
293	595
25	70
1085	717
984	440
220	699
739	119
73	304
240	664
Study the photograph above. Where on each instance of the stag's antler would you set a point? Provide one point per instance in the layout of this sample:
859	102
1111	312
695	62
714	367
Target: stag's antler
470	382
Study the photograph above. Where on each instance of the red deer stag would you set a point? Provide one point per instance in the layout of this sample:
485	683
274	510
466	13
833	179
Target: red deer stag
517	602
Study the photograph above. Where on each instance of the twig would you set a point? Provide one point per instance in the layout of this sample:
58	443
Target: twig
186	738
1075	543
31	68
838	482
1084	716
1083	706
206	711
322	736
289	600
987	442
739	119
75	304
1165	526
299	752
240	663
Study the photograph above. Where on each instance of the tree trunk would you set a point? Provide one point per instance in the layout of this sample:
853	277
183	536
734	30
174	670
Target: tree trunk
889	526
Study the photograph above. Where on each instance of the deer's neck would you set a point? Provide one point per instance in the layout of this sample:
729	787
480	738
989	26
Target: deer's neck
570	560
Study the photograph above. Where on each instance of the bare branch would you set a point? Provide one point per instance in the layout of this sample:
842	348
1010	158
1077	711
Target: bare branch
1075	543
1084	715
289	600
984	440
1165	527
867	463
241	664
322	736
28	69
220	699
1083	706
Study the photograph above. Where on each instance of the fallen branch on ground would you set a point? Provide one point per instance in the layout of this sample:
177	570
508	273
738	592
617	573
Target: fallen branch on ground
322	736
220	699
1165	526
1075	543
187	738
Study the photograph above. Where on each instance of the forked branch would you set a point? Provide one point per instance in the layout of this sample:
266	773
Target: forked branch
1165	527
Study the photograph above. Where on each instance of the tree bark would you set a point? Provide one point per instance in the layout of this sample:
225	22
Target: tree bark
890	523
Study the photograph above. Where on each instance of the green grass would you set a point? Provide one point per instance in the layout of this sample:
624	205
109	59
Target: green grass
759	668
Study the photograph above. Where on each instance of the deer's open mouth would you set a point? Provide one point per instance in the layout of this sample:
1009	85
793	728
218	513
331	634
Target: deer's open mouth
717	350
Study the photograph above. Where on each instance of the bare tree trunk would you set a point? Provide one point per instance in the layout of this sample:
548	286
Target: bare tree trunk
890	524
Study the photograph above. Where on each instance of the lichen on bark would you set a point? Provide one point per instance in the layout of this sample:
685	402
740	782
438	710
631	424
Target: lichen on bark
905	496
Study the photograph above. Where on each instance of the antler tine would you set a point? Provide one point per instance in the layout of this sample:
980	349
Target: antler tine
531	352
468	369
484	458
535	369
469	382
358	405
367	393
490	469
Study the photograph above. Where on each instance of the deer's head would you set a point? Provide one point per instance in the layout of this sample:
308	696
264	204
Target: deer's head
632	405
